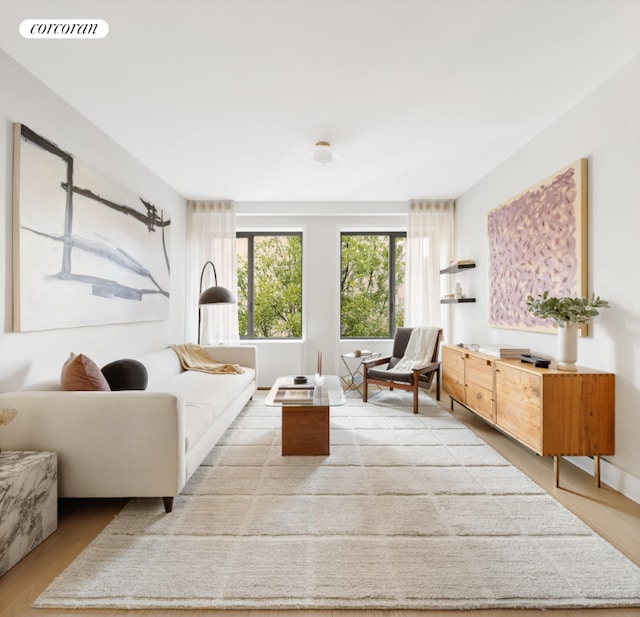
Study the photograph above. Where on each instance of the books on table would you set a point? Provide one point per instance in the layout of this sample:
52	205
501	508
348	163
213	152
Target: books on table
503	351
295	395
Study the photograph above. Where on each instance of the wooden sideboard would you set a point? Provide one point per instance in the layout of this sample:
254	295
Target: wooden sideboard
552	412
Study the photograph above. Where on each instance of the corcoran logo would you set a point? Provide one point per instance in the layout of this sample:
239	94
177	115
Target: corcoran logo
64	28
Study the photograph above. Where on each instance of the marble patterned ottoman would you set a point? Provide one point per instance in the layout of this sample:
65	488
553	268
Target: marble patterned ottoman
28	503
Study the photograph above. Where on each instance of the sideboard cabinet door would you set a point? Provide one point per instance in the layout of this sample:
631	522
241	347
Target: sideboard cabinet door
556	413
453	372
518	397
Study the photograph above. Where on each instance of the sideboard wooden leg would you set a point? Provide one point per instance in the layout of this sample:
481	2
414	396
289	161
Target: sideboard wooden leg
556	470
596	469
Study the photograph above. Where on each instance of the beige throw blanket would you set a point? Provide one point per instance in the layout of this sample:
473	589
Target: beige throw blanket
195	358
419	350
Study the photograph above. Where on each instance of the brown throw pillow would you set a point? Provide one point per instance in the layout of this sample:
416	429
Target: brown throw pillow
82	373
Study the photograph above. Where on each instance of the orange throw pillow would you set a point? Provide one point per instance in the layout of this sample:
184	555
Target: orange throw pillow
82	373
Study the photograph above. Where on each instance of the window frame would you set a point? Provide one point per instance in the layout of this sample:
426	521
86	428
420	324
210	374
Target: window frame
393	236
250	236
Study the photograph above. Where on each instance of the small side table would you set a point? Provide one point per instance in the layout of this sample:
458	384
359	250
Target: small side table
353	378
28	503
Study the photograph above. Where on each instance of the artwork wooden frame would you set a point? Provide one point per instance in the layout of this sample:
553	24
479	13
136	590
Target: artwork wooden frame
538	242
86	250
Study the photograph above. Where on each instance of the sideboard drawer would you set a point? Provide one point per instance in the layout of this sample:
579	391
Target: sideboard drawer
479	371
519	405
480	400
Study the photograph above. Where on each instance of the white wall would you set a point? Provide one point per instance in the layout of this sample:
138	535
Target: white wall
605	129
32	356
321	224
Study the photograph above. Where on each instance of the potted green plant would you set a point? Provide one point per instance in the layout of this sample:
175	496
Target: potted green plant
569	315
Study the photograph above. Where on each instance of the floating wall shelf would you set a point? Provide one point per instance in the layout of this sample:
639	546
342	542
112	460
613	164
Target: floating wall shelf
452	269
457	267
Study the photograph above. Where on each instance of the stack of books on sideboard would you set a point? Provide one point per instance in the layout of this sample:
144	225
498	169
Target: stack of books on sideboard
503	351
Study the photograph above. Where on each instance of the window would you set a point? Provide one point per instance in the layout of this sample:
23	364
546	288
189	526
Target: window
371	284
269	284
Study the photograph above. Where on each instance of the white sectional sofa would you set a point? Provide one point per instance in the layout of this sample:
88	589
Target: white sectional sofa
133	443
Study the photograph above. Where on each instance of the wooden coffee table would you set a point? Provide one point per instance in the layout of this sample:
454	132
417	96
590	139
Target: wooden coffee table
305	413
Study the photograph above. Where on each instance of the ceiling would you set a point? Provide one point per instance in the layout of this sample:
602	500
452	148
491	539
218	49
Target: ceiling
421	98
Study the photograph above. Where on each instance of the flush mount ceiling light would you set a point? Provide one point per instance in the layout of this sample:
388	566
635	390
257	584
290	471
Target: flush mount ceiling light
321	155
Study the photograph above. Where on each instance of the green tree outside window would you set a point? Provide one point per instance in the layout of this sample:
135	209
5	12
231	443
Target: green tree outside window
269	285
372	284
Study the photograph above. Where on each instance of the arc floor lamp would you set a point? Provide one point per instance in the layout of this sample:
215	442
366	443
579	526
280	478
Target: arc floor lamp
212	295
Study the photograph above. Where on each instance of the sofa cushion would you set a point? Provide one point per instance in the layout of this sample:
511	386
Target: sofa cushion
376	373
161	365
206	397
126	374
81	373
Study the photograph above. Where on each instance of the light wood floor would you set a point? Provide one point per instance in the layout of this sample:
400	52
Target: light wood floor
613	516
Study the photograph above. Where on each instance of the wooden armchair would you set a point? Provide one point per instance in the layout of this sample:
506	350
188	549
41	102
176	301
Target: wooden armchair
377	371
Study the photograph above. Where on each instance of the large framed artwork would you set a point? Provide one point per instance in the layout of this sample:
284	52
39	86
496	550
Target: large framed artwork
538	242
87	250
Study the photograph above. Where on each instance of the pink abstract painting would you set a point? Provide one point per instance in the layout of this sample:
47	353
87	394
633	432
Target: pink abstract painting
537	242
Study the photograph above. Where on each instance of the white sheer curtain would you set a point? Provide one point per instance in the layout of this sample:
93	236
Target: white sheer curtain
430	228
211	235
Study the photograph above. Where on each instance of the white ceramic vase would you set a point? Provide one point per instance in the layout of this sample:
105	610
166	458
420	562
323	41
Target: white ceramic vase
567	347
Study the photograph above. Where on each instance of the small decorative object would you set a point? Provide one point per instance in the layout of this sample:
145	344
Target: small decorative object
569	315
300	379
319	377
458	290
6	415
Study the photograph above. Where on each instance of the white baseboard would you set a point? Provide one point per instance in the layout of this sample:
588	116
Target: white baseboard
618	479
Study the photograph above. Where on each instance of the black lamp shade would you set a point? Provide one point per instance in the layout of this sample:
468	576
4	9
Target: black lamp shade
212	295
216	295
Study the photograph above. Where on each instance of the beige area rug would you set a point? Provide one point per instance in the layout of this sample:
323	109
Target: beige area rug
408	511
